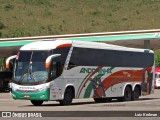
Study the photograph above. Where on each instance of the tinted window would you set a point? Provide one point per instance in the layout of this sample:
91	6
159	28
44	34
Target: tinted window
99	57
24	56
37	56
64	52
40	56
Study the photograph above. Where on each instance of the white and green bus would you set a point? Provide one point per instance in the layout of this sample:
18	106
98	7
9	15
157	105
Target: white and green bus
63	70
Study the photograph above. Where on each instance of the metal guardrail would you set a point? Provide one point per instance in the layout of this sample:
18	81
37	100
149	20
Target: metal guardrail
81	35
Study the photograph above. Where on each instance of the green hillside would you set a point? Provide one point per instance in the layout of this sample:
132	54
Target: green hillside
53	17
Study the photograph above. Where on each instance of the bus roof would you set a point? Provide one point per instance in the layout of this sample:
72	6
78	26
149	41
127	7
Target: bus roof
45	44
53	44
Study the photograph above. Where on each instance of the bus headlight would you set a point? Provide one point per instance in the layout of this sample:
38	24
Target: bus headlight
44	87
9	85
13	86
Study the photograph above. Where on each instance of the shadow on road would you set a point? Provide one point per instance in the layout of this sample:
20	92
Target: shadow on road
92	102
4	91
73	104
141	99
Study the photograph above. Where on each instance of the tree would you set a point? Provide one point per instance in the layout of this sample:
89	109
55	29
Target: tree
2	64
157	58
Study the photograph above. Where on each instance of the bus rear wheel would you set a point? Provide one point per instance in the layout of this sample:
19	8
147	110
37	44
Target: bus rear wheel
127	95
37	102
68	97
136	93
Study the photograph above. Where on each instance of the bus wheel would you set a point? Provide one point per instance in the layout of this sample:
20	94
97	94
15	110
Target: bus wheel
127	94
136	93
37	102
68	97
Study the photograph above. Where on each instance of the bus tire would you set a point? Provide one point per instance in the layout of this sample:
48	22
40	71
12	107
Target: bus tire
37	102
68	97
136	93
127	95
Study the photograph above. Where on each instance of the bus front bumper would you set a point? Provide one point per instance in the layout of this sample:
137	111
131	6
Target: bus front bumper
41	95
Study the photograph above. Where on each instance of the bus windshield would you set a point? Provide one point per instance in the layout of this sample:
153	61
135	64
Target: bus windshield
30	67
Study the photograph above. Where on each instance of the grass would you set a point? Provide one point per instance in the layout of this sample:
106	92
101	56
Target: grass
49	17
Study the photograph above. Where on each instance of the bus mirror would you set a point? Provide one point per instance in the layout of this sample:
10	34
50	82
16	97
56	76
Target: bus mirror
9	59
48	60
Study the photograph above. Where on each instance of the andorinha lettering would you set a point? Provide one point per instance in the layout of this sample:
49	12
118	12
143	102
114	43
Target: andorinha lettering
100	71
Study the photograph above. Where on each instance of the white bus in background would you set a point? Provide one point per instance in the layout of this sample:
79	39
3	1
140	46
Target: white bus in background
63	70
157	78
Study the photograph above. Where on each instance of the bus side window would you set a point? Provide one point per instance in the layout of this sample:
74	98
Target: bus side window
55	70
71	65
59	69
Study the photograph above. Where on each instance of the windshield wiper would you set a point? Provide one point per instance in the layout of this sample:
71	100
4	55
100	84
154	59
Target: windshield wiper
23	76
28	72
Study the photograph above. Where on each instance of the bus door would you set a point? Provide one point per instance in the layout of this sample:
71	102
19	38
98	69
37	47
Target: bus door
55	72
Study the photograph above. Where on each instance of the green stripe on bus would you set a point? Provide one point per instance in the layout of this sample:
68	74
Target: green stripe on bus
90	88
41	95
82	83
88	91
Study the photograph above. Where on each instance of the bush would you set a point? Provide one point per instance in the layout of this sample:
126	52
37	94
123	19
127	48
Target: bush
8	7
0	34
2	25
36	2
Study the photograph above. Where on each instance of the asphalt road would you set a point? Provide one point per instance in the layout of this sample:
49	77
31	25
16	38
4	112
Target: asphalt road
145	103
